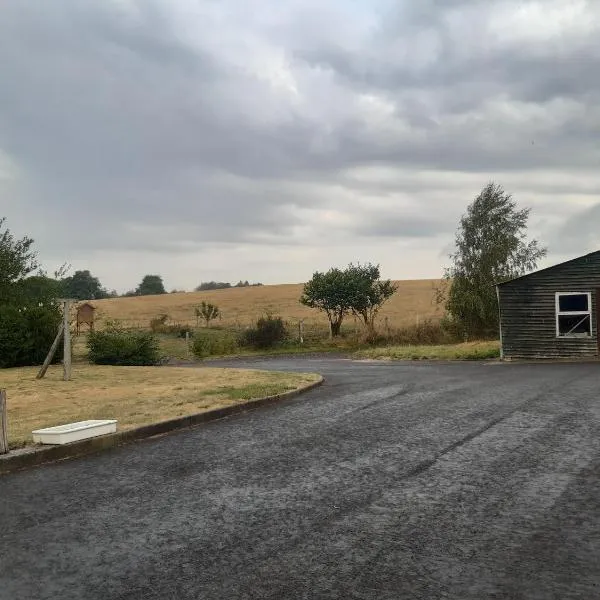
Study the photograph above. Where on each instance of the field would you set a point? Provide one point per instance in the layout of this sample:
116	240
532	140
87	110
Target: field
133	395
413	302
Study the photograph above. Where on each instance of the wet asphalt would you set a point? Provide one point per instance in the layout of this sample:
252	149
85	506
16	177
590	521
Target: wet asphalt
391	481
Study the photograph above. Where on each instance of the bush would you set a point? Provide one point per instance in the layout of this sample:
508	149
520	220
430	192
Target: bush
268	332
426	333
214	343
161	325
116	346
26	334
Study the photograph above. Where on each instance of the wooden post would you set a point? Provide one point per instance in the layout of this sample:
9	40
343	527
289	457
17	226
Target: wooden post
3	424
301	331
67	342
51	353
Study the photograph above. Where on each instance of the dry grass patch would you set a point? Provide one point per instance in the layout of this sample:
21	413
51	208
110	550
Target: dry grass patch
466	351
133	395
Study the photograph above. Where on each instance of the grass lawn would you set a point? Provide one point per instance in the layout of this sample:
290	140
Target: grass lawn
132	395
467	351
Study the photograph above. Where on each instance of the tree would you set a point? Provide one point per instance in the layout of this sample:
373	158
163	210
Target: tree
329	293
369	292
491	247
39	289
29	317
207	311
150	285
17	261
82	285
356	289
212	285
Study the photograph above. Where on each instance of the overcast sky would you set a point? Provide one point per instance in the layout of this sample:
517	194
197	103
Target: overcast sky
262	140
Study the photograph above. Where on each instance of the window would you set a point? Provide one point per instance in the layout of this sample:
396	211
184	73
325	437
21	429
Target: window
574	314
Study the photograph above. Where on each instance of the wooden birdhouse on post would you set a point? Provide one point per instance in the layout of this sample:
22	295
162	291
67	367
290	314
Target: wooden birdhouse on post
85	316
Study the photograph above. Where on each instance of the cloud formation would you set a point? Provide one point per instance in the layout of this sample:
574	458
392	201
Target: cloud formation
228	140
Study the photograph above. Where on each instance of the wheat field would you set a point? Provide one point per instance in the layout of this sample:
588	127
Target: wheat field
413	302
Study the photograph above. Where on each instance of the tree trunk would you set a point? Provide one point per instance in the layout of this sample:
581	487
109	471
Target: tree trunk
335	328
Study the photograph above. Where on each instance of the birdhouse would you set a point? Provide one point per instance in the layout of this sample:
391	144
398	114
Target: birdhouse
85	316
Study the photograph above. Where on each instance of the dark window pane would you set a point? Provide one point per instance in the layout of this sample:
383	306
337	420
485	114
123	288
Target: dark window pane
574	325
573	303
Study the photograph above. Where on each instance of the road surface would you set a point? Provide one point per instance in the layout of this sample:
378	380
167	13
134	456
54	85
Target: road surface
391	481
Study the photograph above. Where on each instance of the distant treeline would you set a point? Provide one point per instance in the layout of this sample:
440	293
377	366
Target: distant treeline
222	285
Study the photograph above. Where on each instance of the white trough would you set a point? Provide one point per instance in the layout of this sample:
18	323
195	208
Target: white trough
73	432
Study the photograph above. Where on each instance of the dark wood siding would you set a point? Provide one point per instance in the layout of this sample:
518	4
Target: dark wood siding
528	311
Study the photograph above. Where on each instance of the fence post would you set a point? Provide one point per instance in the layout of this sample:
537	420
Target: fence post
66	341
3	424
301	331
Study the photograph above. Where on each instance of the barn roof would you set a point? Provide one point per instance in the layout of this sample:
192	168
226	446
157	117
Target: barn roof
563	264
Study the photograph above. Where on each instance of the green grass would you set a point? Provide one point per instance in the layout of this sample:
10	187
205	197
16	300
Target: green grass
249	391
466	351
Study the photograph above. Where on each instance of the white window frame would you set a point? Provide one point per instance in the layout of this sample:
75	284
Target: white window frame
573	313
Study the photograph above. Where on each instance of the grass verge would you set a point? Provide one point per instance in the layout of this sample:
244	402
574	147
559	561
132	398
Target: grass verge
466	351
134	396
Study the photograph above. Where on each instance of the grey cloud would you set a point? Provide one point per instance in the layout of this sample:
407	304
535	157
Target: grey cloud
579	231
402	227
146	137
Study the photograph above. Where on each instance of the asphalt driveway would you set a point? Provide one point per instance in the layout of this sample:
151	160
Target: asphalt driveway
392	481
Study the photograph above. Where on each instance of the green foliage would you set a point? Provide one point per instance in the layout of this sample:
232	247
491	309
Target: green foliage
82	285
268	332
356	289
150	285
26	334
330	293
207	311
37	289
491	247
214	343
17	261
368	292
117	346
157	325
223	285
212	285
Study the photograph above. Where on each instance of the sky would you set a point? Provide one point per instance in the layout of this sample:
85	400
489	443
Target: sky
263	140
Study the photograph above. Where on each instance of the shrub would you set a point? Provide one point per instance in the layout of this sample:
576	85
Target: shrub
159	323
211	343
26	334
116	346
426	333
268	332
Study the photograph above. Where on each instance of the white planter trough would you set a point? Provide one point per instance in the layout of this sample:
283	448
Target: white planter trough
73	432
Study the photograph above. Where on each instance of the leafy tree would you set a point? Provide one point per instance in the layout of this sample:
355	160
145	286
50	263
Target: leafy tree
151	285
369	292
491	247
329	292
207	311
39	289
17	261
82	285
356	289
29	317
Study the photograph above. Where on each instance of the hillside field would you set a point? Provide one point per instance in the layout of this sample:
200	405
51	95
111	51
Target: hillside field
413	302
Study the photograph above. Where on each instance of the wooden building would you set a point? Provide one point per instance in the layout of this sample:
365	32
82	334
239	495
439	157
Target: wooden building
552	313
85	316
